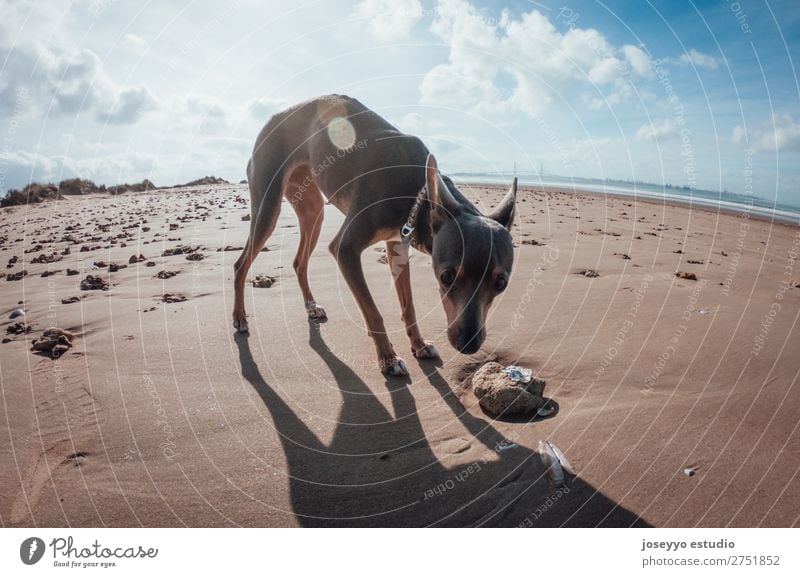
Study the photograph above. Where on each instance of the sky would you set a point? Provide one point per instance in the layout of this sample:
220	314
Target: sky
700	94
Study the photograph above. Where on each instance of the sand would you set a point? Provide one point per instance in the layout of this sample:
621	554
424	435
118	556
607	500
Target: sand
159	415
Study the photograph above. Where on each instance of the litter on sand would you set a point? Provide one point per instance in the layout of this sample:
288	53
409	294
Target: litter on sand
552	464
505	446
689	471
546	410
518	374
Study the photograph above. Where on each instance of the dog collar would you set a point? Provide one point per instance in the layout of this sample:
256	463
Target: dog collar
411	222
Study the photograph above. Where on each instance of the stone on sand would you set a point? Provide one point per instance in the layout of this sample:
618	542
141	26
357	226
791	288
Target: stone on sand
498	394
263	281
93	283
54	341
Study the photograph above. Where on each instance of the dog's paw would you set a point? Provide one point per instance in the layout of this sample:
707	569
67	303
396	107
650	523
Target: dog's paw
427	352
240	325
395	367
316	312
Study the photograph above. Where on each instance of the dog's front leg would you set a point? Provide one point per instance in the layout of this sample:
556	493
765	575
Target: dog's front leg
348	255
397	257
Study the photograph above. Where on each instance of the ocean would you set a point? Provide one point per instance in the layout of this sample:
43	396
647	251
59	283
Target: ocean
727	201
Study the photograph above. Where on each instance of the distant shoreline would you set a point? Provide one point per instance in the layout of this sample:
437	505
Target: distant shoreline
756	212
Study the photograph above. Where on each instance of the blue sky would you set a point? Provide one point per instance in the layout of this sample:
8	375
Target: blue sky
680	92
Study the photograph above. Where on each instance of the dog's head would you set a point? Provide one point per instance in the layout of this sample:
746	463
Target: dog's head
472	258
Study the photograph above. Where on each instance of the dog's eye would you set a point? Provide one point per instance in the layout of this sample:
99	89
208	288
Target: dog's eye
500	284
447	277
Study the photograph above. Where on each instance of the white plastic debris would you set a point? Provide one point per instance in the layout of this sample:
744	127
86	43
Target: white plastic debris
562	458
546	410
689	471
505	446
518	374
552	464
16	313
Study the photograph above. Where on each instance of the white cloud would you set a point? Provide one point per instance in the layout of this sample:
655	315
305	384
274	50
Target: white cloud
783	133
417	124
68	84
638	60
656	131
700	60
390	20
262	108
134	41
23	167
520	64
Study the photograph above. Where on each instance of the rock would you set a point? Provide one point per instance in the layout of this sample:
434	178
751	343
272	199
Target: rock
195	256
245	217
72	272
499	395
70	300
532	242
589	273
54	341
93	283
17	275
173	298
165	274
18	328
16	313
263	281
47	258
150	263
114	267
134	259
180	249
686	275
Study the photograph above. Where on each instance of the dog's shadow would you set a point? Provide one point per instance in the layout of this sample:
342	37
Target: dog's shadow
380	470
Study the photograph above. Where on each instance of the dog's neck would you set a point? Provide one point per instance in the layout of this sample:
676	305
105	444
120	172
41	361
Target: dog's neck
422	235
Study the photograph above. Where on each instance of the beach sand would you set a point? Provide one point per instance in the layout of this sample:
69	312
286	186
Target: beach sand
159	415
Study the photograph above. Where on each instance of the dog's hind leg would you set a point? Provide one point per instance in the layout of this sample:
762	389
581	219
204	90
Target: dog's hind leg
265	206
306	199
397	257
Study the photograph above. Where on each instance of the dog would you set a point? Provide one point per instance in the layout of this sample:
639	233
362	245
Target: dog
389	188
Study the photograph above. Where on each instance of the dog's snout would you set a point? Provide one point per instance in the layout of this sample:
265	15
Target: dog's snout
468	342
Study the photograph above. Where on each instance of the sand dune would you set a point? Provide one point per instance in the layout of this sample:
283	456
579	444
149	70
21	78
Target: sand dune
158	415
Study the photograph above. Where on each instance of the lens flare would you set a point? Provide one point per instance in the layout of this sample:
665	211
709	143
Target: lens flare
341	133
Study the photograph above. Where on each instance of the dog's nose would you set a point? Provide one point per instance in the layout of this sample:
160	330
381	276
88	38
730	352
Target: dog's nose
469	342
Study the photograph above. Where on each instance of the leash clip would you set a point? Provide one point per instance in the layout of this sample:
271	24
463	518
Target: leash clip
406	231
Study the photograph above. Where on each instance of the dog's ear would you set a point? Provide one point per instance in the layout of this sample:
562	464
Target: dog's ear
504	212
443	205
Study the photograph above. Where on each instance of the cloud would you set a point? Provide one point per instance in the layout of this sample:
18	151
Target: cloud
262	108
700	60
520	64
638	60
57	79
390	20
134	41
23	167
417	124
783	133
656	131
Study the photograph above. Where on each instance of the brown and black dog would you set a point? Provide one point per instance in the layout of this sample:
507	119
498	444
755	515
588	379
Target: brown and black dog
389	187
